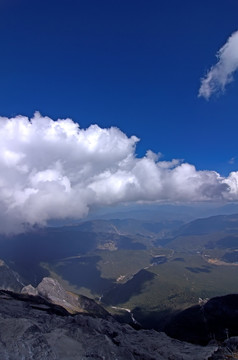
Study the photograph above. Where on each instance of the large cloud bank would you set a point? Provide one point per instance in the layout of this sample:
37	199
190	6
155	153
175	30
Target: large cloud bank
53	169
221	74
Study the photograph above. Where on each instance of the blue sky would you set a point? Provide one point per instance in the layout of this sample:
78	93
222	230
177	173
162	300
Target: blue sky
135	69
132	64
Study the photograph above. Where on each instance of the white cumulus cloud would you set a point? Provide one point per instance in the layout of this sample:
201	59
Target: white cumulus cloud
55	170
221	74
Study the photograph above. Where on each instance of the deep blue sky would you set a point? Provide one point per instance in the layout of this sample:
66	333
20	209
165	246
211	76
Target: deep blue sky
127	63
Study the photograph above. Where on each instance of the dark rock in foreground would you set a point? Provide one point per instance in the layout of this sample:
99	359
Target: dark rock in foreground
33	328
228	350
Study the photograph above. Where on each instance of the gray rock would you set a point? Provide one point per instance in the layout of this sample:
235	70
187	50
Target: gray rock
51	290
32	328
30	290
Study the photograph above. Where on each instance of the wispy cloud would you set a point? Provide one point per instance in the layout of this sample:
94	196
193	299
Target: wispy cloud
221	74
53	169
232	160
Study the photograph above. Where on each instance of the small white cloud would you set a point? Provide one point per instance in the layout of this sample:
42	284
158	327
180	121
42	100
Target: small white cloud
53	169
221	74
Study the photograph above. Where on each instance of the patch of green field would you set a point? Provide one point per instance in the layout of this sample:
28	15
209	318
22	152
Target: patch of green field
176	285
126	279
125	263
95	273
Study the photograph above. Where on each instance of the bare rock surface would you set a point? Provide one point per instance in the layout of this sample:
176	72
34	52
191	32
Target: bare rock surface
30	290
33	328
55	293
51	290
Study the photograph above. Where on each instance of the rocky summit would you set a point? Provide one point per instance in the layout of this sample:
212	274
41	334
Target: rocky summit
51	290
48	322
33	328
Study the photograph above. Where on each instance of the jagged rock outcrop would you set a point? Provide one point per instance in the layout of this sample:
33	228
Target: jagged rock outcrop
29	290
33	328
51	290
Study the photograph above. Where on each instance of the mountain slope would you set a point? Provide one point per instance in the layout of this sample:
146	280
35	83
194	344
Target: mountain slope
51	290
9	279
32	328
215	319
227	223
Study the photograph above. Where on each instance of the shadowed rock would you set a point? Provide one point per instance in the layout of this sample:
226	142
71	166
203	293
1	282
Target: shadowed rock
9	279
214	319
32	328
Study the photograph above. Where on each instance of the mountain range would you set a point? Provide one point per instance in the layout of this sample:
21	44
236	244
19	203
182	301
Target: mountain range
159	274
35	326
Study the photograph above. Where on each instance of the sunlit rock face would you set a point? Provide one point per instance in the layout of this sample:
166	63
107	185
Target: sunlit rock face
51	290
29	290
33	328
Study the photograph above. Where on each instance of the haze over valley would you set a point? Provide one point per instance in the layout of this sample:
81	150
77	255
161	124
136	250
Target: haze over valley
154	268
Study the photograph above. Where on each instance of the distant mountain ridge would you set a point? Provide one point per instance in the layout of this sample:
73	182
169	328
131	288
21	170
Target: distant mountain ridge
210	224
127	226
206	233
